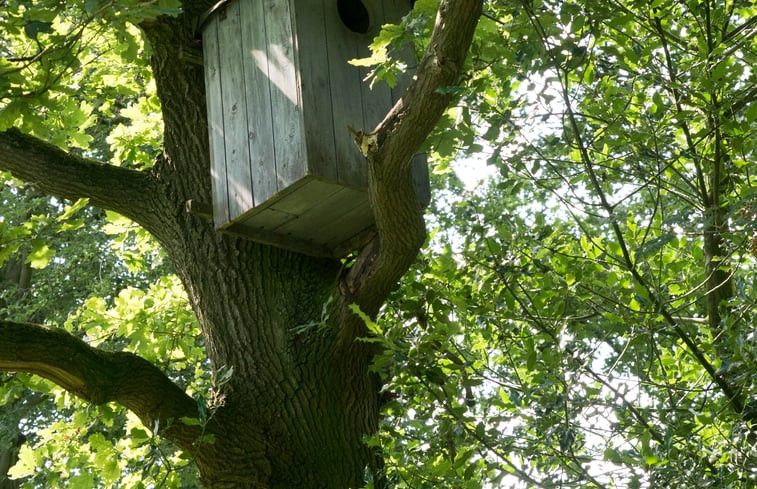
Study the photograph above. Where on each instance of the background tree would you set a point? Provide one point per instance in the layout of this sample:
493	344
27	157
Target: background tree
585	317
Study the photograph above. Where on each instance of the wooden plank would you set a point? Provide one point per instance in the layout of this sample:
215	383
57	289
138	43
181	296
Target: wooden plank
258	101
421	182
288	140
327	212
341	45
238	176
280	241
307	195
355	243
394	11
315	88
215	123
376	100
268	218
356	219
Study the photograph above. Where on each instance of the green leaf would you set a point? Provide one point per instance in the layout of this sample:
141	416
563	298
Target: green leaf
654	245
369	323
40	254
751	112
26	464
33	28
72	209
190	421
81	481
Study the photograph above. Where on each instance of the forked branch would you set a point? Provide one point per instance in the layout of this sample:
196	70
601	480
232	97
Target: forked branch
398	214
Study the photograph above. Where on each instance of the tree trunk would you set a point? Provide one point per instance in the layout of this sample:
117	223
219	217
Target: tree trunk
718	274
8	457
294	412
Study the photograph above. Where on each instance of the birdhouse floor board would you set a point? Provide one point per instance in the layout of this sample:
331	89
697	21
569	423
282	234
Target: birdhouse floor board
324	214
310	192
351	223
312	216
269	218
287	242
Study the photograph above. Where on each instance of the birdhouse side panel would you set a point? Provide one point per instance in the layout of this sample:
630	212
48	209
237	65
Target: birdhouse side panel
315	89
254	57
234	99
286	103
376	99
346	95
394	11
215	123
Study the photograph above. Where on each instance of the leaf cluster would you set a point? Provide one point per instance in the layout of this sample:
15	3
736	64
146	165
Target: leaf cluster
559	331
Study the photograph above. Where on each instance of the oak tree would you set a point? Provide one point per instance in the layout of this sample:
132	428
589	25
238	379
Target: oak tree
297	402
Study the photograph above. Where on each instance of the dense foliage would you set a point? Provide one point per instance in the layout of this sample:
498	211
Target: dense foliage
557	332
582	315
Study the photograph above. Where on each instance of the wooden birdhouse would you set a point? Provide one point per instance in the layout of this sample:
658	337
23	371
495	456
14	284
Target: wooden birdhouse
281	100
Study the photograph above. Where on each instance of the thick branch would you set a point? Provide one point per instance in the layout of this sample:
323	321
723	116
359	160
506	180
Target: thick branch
62	174
99	376
398	214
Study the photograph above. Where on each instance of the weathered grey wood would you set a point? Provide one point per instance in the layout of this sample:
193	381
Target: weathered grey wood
282	241
377	99
350	224
421	183
341	45
302	200
215	123
268	218
396	9
281	97
238	176
288	142
258	101
315	88
355	243
324	213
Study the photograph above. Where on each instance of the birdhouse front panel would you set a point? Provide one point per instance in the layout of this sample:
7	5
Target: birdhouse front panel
282	100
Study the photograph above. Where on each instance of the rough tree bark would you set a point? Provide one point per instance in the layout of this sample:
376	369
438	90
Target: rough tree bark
9	447
298	404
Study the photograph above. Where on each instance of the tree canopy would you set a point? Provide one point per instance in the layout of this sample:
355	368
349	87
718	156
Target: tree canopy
582	313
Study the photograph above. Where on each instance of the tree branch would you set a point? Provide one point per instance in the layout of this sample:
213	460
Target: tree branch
398	214
731	392
65	175
100	376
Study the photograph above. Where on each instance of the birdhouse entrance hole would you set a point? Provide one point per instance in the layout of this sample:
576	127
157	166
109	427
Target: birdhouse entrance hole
354	15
